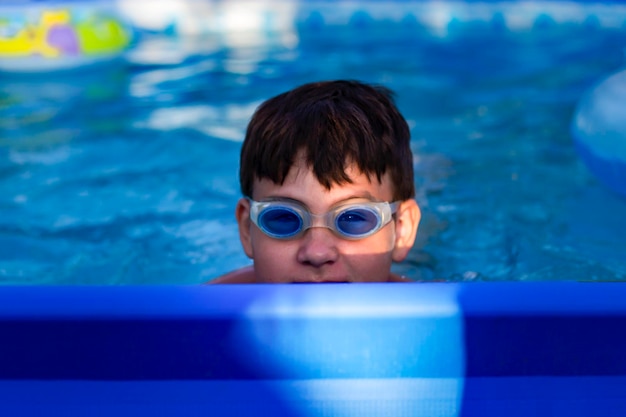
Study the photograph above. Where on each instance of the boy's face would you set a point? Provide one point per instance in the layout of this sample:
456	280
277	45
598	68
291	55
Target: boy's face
319	255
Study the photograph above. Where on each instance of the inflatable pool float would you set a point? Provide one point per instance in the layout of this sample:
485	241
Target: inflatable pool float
599	131
48	36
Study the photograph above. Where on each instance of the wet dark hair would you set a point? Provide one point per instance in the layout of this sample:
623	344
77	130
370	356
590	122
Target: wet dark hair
333	123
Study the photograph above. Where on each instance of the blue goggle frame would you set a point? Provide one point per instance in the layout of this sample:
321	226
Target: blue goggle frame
288	220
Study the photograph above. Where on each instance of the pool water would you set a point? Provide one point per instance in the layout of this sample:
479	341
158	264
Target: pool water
127	174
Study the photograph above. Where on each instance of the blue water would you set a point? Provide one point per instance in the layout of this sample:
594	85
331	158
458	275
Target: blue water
128	173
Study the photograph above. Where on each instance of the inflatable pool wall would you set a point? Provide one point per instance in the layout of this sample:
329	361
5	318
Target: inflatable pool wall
480	349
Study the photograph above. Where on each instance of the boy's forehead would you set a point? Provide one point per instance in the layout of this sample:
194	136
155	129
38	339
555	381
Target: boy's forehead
301	179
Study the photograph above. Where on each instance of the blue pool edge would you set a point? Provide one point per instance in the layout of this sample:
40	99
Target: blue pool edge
546	348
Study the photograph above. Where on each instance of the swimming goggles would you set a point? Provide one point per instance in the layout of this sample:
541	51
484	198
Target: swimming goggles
288	220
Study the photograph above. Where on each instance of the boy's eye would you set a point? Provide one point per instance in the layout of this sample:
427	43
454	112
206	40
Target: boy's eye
281	221
356	221
351	217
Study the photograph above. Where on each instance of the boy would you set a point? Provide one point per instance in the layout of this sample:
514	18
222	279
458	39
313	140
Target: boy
327	177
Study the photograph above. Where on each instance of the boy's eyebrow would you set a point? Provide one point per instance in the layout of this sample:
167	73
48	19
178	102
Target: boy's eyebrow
280	198
364	195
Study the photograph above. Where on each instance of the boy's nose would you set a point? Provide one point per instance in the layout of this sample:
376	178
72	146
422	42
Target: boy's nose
318	247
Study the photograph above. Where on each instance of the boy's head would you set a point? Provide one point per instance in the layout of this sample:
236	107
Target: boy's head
337	147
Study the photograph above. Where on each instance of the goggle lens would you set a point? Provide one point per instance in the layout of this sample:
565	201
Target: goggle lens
280	222
356	222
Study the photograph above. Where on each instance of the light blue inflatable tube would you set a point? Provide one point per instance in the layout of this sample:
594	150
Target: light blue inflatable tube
599	131
482	349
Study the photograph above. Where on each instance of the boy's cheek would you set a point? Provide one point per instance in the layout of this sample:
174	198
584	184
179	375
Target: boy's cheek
269	250
273	266
381	243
